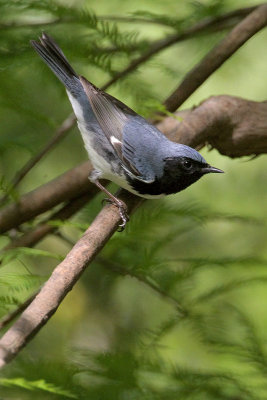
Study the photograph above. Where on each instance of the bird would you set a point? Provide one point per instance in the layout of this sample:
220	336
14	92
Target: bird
123	146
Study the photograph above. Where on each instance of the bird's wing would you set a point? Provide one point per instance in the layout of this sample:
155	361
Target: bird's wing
112	116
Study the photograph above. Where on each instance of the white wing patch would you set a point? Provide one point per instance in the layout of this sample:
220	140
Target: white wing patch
115	141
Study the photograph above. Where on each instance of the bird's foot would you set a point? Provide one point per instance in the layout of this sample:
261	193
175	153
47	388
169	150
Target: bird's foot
122	210
95	174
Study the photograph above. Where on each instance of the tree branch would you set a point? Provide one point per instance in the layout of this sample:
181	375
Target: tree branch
13	314
60	133
253	23
110	265
234	16
32	237
63	188
68	271
235	127
203	26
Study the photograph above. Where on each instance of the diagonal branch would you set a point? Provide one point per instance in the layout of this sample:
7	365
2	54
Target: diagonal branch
231	15
32	237
69	270
60	133
204	26
65	187
13	314
253	23
112	266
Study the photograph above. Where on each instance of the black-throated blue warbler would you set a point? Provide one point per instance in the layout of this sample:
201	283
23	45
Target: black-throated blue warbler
123	147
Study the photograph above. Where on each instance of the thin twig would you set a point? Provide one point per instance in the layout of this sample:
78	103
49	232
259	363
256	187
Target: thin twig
69	270
65	187
13	24
60	133
31	238
202	26
13	314
238	13
110	265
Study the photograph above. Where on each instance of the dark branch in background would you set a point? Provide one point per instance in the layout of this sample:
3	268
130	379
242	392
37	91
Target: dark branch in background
45	228
60	133
96	236
13	24
14	314
232	16
65	187
112	266
203	27
239	13
217	56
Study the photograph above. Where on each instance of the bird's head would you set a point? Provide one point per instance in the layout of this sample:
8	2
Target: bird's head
185	166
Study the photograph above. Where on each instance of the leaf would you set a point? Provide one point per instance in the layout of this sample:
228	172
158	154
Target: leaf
227	287
58	223
13	282
41	384
162	19
8	300
8	255
152	106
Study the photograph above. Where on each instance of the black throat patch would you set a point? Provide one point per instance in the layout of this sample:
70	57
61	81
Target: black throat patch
176	177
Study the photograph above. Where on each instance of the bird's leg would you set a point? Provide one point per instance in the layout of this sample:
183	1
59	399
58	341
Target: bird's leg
93	177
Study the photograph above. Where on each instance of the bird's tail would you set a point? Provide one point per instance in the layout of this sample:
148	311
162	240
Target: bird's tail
54	57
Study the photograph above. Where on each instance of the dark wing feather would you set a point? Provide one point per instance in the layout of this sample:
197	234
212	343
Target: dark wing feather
112	115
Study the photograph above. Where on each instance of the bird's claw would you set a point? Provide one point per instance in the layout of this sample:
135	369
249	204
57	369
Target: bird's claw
122	210
124	216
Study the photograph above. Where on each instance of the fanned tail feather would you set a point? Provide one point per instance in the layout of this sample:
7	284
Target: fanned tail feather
54	57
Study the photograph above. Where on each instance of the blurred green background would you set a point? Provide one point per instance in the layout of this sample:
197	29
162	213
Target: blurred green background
175	306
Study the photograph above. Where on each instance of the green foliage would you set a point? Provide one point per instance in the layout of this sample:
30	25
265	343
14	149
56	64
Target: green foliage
19	282
36	386
9	255
7	189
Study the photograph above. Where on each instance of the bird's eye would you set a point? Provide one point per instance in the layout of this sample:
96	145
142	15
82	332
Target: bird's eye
187	164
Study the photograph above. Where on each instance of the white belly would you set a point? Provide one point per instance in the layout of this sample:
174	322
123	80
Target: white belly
100	164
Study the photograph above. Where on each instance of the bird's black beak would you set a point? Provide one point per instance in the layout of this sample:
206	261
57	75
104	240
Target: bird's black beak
208	168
